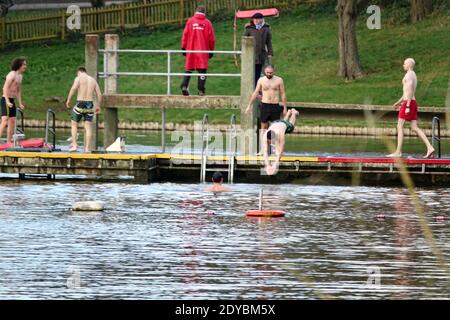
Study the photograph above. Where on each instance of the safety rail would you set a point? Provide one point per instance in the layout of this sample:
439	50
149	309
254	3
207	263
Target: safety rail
169	72
205	143
18	132
52	130
232	148
436	138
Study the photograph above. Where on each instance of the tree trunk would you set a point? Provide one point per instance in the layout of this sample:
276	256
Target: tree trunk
420	9
350	66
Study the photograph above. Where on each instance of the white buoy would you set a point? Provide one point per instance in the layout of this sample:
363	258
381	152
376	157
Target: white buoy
88	206
117	146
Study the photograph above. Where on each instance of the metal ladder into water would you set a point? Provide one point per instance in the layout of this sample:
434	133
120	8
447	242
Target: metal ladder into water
231	159
436	136
19	132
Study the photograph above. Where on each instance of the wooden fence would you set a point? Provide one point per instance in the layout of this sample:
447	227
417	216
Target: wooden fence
126	16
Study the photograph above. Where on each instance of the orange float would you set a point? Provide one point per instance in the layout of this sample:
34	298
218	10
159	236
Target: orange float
265	213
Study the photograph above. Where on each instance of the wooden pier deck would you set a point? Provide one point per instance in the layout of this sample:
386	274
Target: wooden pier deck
146	168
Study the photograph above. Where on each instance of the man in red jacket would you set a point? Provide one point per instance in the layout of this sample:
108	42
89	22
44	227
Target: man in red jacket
198	34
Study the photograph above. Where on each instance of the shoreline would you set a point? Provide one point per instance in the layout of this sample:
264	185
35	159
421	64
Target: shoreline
320	130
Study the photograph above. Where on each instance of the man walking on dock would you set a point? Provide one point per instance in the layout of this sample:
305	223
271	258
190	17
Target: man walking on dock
86	86
408	110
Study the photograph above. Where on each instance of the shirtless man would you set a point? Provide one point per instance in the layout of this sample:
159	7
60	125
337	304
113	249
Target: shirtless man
12	89
408	110
277	131
272	88
84	109
217	186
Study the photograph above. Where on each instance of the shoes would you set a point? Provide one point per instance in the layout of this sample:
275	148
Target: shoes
185	91
201	93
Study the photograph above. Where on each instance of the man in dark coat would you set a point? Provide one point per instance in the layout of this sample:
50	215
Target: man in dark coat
198	34
259	30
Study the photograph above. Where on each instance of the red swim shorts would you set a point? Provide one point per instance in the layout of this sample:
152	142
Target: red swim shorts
412	115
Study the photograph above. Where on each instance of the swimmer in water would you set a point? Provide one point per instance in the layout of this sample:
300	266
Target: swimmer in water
217	186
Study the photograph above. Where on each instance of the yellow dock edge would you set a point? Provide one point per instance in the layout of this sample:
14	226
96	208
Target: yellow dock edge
122	156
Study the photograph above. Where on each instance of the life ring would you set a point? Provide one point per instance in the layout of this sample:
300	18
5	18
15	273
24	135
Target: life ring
265	213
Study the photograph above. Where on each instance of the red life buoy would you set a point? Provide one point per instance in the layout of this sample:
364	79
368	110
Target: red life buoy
265	213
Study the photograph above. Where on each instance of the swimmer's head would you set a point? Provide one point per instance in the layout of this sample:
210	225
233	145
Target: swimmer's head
409	64
217	177
269	71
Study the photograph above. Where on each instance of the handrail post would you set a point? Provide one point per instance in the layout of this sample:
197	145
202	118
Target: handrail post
91	64
111	130
435	137
205	138
248	121
163	129
168	72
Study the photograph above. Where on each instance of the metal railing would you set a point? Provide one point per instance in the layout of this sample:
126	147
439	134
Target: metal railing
205	143
52	130
169	72
232	148
436	136
18	132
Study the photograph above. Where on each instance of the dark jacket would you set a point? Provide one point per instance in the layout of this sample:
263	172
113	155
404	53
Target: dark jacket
263	41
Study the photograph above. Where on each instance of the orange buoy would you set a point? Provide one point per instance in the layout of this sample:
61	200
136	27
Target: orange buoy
265	213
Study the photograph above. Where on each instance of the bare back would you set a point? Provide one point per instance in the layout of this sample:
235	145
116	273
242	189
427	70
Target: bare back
86	87
271	89
409	85
12	84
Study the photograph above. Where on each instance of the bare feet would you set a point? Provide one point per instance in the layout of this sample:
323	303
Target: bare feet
394	155
73	148
430	154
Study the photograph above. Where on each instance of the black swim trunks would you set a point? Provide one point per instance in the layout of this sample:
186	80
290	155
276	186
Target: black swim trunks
270	112
6	111
83	109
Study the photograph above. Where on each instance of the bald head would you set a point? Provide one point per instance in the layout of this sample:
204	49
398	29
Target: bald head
409	64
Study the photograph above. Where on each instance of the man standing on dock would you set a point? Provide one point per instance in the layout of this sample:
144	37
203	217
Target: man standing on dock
12	88
84	109
408	110
272	88
198	34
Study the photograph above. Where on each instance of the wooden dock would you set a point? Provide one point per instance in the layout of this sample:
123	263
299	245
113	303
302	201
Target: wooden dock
147	168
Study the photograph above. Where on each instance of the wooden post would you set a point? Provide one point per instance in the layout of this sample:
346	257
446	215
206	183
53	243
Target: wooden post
248	121
3	32
111	118
181	13
91	65
122	16
63	25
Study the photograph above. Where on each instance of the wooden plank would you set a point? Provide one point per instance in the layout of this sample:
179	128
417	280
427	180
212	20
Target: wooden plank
174	101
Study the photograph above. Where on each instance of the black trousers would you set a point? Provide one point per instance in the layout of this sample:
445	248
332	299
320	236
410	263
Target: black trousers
258	69
201	82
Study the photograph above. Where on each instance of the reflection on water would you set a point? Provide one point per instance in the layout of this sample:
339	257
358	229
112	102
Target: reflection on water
174	241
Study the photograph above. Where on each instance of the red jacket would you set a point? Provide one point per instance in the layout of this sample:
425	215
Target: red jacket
198	34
